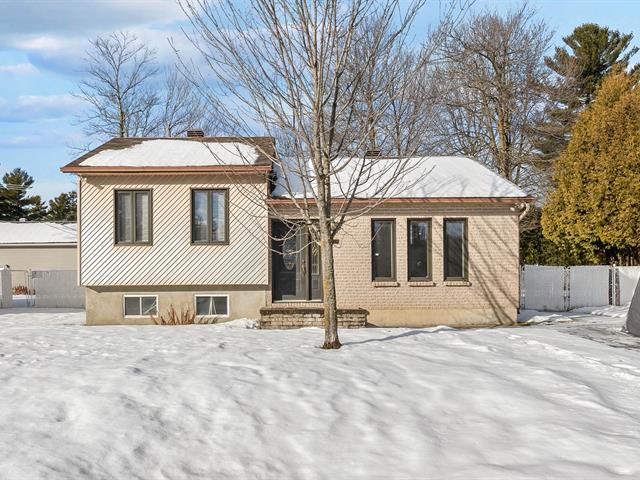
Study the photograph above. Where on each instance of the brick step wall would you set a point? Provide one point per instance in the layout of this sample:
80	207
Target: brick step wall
291	317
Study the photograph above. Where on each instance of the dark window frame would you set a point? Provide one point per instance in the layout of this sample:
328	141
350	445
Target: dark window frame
226	216
429	276
394	268
465	250
116	230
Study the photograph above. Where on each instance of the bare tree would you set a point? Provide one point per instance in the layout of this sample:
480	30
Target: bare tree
414	97
117	89
494	86
183	107
288	67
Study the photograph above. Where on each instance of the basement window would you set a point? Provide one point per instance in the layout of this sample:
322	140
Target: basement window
140	305
212	305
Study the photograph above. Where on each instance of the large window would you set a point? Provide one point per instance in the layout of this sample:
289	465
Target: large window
455	249
140	305
212	305
133	216
210	216
419	249
383	250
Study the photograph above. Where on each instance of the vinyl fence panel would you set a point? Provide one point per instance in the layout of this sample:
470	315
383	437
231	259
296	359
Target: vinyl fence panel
543	288
589	286
6	294
627	281
57	289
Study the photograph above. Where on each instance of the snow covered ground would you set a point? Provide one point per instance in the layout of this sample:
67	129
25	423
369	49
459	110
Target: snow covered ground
601	324
222	402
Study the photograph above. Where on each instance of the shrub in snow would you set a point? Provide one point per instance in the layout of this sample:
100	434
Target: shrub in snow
21	290
185	317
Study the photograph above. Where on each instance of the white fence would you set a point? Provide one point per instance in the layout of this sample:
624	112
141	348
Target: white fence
564	288
627	281
543	288
589	286
56	289
6	296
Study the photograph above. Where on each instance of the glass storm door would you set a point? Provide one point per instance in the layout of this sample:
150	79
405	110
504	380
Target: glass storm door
315	272
295	265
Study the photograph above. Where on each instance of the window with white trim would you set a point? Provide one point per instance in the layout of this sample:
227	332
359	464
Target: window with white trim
212	305
140	305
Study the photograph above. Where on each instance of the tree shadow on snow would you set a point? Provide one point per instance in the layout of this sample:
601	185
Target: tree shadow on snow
389	338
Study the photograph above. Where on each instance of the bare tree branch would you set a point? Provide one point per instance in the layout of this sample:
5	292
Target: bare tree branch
329	80
494	83
120	102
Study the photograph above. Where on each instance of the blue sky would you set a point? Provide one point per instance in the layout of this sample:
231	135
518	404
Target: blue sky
42	44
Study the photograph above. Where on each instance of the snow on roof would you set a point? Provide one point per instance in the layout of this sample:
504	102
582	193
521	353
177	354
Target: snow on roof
163	152
421	177
16	233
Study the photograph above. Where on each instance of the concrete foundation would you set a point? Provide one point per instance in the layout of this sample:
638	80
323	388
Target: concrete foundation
104	305
453	317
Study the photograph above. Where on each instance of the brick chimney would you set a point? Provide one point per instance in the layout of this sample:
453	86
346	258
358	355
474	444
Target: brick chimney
372	153
196	132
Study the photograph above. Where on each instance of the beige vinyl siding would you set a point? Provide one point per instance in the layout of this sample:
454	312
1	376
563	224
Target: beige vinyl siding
172	259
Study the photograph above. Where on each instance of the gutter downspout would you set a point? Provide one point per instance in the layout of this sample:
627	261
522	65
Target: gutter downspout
524	211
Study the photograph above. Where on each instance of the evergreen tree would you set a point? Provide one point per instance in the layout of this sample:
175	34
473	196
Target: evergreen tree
595	205
595	50
14	201
591	52
37	209
536	249
63	207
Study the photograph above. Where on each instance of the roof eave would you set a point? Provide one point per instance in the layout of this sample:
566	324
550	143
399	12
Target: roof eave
500	200
143	170
38	244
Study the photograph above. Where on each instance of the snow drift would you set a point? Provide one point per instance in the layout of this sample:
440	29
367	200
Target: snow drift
209	401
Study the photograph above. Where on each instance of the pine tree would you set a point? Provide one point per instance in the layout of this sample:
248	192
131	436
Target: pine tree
595	205
595	50
63	207
14	201
591	52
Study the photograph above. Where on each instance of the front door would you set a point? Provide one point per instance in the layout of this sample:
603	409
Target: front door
295	265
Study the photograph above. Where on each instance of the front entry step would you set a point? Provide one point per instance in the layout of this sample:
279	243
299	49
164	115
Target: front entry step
299	317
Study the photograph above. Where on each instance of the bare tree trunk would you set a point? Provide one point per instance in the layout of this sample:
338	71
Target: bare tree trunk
301	85
121	121
331	339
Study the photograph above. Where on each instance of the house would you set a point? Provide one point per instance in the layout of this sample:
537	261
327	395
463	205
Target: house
37	246
184	222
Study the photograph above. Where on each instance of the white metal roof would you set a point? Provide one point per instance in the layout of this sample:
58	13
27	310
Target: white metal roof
422	177
174	153
30	233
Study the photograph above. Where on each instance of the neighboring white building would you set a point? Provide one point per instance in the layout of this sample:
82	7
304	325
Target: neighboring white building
38	246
